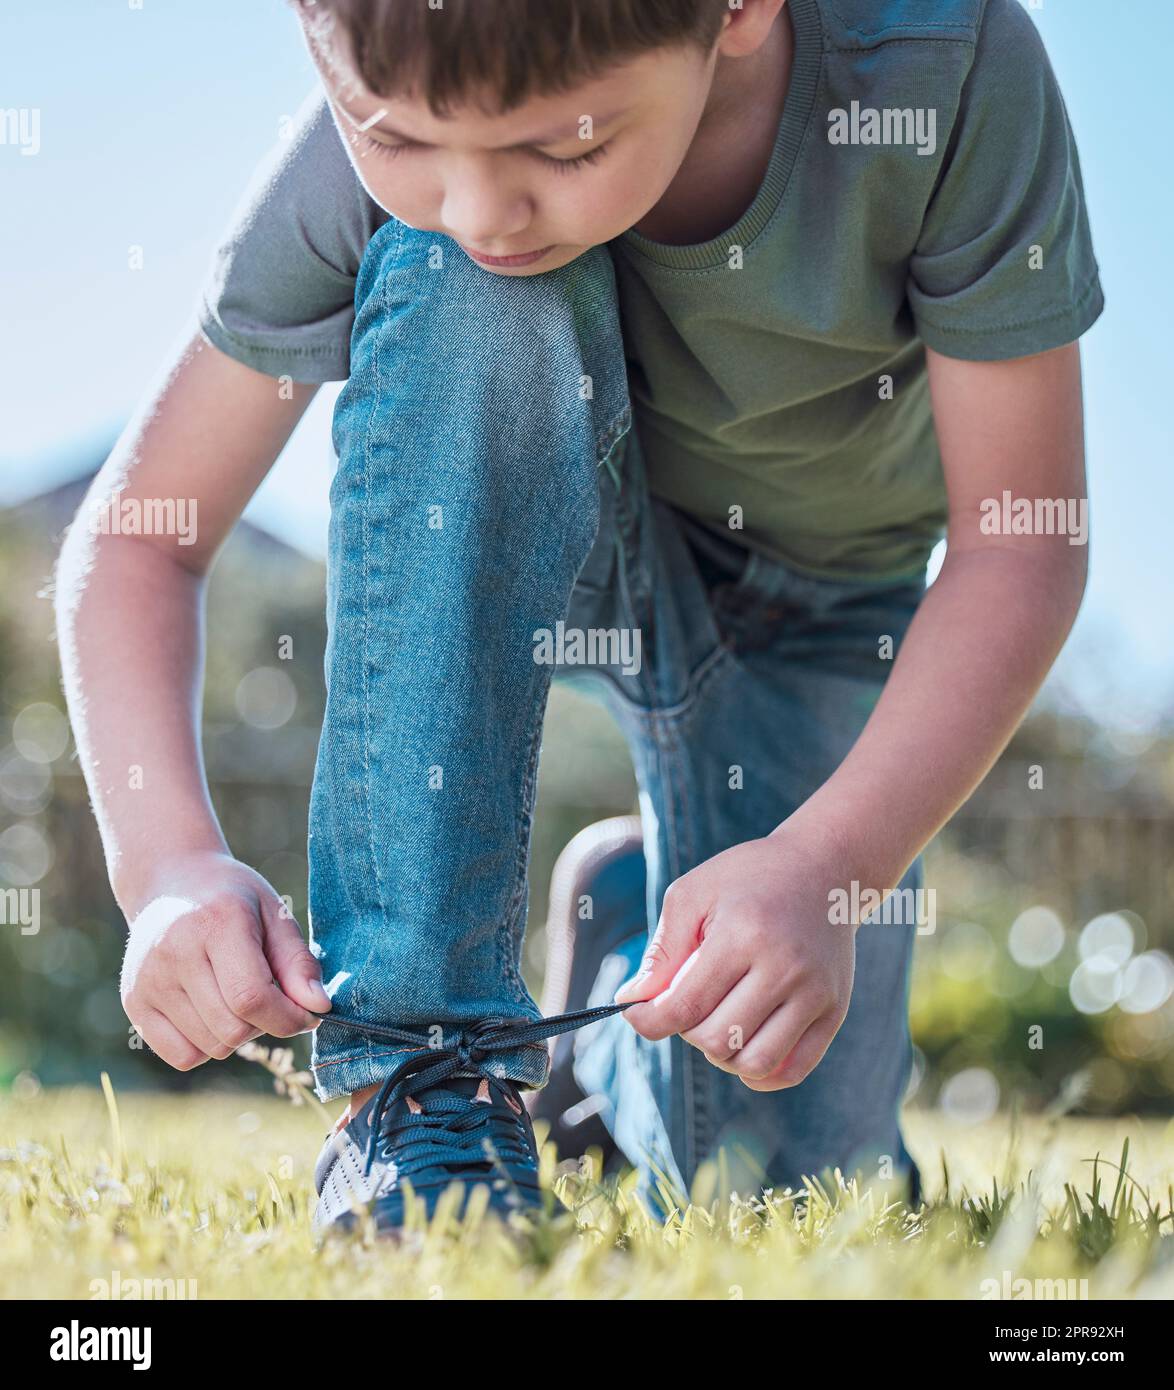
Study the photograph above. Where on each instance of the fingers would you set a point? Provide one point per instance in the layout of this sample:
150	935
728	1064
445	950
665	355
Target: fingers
205	997
245	981
726	1030
677	936
197	982
768	1044
294	968
694	993
158	974
796	1051
167	1042
182	1014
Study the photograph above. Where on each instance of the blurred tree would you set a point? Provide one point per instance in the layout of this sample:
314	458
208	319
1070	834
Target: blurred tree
1075	817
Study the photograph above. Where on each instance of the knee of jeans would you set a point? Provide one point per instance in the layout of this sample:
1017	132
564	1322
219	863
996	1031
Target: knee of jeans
542	352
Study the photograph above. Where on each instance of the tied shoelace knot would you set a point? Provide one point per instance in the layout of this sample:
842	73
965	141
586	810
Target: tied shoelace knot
454	1130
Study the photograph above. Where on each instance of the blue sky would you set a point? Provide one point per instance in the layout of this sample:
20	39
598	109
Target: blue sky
153	119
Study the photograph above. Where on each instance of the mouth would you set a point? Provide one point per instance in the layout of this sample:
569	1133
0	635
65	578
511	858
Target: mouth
507	262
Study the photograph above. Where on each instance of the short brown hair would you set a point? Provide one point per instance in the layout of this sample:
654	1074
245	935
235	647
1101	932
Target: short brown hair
503	50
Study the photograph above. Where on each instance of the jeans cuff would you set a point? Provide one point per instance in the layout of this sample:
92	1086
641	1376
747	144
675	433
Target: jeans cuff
352	1064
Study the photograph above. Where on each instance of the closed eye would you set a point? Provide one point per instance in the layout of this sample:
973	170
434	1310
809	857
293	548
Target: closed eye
580	160
563	166
380	147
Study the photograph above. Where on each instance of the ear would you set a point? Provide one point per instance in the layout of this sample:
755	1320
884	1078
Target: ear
747	26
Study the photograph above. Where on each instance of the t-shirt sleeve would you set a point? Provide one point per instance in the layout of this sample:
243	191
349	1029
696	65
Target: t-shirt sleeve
1004	264
280	293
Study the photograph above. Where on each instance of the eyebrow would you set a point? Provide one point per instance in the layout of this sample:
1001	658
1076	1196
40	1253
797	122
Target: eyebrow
546	138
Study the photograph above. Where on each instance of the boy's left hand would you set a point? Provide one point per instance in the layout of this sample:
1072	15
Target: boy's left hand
745	964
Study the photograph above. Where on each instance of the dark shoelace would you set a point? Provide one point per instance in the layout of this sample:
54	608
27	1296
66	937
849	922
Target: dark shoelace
453	1130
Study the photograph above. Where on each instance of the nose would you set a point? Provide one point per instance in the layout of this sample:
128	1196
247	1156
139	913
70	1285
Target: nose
482	209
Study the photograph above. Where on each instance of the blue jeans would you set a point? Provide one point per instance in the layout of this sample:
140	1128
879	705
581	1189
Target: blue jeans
490	488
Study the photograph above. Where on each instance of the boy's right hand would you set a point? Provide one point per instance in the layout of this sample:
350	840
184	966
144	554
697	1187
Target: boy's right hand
213	960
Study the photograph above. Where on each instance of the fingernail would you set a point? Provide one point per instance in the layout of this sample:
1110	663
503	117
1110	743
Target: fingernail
626	992
321	998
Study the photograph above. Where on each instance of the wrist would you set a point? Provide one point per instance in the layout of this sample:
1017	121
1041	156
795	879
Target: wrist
853	848
137	876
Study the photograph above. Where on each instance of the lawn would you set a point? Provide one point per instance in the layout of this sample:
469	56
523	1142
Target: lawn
216	1191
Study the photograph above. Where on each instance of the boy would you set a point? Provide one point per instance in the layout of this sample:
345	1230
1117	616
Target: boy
848	246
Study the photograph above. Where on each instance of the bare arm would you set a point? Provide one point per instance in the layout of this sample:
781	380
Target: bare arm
747	964
130	613
989	629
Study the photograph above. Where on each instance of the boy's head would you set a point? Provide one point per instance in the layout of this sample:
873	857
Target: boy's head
527	130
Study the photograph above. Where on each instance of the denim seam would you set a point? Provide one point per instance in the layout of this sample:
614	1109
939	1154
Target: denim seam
668	733
662	726
666	769
698	1079
607	438
634	586
373	416
700	677
367	1056
628	542
370	1056
507	933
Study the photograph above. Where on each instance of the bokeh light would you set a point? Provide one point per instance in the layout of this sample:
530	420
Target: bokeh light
25	855
266	698
1109	936
1147	983
25	787
1095	985
970	1096
40	732
1036	937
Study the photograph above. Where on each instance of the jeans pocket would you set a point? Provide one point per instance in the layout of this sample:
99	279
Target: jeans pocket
728	572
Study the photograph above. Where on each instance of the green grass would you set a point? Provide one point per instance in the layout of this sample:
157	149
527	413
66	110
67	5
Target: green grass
217	1189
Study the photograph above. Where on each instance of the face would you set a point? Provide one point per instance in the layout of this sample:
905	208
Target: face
530	190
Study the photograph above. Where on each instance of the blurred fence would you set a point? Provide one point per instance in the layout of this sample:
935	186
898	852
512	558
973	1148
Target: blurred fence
1053	884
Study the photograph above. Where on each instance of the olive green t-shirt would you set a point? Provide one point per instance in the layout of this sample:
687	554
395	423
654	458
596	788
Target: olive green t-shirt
924	188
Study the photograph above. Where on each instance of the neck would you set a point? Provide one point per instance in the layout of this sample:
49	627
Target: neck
728	159
742	85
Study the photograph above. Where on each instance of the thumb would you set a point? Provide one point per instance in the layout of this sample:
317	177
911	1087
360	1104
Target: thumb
674	941
294	968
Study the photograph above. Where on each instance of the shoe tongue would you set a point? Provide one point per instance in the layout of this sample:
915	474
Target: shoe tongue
466	1084
468	1087
471	1086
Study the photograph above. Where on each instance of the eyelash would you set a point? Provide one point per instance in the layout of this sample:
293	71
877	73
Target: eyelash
562	166
567	166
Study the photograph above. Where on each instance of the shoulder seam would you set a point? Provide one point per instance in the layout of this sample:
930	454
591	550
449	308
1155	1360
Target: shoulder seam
971	36
935	39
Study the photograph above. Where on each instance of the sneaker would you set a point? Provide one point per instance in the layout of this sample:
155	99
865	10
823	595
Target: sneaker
604	862
439	1119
